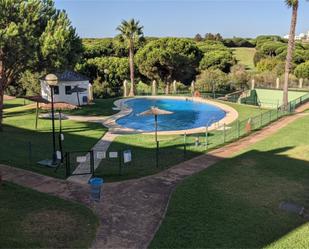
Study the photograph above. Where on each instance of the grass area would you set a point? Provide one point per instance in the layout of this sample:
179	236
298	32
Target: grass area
245	56
15	103
100	107
234	204
271	98
23	146
171	149
30	219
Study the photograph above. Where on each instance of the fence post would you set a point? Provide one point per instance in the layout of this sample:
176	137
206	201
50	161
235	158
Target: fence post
30	152
120	164
92	162
206	138
261	120
184	145
224	133
67	164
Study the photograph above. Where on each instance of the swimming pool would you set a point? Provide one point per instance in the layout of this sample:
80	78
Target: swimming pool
187	114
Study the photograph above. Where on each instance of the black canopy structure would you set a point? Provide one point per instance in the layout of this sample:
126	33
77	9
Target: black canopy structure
154	111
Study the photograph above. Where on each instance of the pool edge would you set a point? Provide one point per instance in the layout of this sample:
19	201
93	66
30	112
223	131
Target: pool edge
110	122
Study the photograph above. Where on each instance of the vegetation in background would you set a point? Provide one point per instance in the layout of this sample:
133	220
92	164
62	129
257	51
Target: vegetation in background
245	56
169	59
34	35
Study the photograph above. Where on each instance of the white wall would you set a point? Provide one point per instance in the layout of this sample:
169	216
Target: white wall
62	97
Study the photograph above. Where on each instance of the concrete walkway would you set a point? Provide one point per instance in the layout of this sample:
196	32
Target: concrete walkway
131	211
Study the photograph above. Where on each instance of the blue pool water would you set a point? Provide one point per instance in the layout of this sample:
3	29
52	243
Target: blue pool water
187	114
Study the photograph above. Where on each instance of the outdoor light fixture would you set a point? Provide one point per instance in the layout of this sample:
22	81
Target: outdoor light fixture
52	81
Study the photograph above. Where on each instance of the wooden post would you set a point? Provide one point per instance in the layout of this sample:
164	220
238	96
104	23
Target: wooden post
278	83
301	81
125	88
174	87
154	88
252	84
192	87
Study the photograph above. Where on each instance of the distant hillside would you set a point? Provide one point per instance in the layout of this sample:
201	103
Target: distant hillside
245	56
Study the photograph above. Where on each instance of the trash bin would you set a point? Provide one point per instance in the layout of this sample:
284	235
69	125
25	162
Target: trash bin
95	188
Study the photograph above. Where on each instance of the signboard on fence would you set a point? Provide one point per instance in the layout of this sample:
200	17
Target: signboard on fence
127	156
113	154
59	155
81	159
101	155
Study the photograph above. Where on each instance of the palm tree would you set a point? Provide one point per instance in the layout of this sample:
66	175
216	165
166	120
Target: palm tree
291	44
131	32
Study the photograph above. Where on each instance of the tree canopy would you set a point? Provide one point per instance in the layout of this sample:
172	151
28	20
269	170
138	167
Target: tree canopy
34	35
169	59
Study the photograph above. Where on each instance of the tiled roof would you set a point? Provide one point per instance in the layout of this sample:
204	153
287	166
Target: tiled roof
69	76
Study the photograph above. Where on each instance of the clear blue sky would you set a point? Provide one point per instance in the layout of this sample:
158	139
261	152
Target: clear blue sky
185	18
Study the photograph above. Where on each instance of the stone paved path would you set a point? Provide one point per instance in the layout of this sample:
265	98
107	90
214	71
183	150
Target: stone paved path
131	211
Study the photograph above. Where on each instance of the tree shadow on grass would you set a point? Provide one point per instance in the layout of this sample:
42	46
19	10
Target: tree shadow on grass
23	148
235	204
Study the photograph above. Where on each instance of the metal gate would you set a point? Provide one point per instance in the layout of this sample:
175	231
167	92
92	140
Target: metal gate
79	163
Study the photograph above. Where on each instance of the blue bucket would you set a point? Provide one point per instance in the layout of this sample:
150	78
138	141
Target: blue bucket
95	188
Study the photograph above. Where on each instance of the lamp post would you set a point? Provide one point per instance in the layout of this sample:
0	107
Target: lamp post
52	81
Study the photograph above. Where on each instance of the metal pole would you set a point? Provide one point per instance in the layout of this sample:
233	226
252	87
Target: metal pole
54	157
184	145
238	128
156	140
224	133
92	162
206	138
36	115
156	128
60	138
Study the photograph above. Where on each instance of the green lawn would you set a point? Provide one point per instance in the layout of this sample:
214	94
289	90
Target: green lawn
234	204
23	146
30	219
100	107
171	149
245	56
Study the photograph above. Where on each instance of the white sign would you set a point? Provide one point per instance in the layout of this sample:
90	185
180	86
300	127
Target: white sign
81	159
113	154
62	137
59	156
101	155
127	156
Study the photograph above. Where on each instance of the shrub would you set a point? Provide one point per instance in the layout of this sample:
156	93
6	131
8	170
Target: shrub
212	79
302	70
222	60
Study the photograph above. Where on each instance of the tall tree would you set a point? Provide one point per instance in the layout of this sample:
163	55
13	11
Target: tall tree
131	32
291	44
33	35
169	59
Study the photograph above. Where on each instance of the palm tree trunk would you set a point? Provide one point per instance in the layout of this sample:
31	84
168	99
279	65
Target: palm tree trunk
289	56
131	59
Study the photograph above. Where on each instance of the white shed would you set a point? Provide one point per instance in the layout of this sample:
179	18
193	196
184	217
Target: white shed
64	91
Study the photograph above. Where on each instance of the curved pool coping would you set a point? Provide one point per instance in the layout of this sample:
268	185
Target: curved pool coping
110	122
